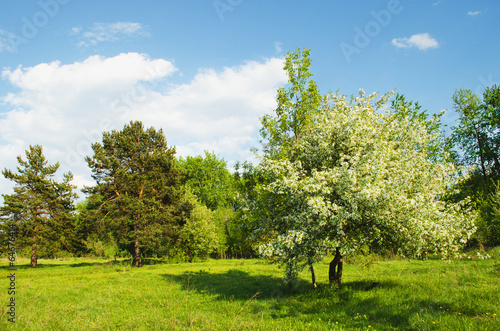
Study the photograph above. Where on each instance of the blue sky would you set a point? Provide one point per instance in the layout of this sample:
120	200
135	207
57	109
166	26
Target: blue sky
206	70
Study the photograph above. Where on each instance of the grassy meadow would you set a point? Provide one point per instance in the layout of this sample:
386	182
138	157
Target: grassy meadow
83	294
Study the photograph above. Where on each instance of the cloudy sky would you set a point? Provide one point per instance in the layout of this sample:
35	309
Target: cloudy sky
205	70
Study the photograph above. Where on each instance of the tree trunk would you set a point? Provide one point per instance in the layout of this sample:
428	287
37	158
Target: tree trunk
335	272
496	164
137	261
313	276
34	257
481	153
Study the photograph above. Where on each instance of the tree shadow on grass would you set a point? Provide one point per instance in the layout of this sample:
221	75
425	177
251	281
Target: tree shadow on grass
61	263
54	264
233	285
356	304
240	285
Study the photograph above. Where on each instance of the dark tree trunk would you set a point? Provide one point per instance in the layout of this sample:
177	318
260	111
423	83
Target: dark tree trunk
34	256
335	272
481	154
137	260
313	276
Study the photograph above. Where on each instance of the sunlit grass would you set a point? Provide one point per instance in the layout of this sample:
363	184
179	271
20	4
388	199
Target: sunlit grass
79	294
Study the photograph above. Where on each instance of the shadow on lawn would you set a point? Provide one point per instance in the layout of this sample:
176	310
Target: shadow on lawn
233	284
239	285
351	305
105	263
53	264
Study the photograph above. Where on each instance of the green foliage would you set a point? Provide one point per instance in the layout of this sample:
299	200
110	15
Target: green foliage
239	236
242	229
488	222
198	237
102	246
438	148
86	225
40	207
363	257
494	203
139	194
359	172
222	193
296	105
209	179
222	217
477	136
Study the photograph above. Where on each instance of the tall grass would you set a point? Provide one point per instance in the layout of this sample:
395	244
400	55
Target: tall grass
80	294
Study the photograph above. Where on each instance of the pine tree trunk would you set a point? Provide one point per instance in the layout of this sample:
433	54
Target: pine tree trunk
313	276
137	261
335	271
34	257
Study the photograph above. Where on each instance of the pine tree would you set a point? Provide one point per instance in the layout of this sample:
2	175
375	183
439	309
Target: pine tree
40	208
139	189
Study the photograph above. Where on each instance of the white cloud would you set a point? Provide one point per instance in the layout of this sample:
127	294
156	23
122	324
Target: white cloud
8	42
76	30
66	107
422	41
473	13
277	47
106	32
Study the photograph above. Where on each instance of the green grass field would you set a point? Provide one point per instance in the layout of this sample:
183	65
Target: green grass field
79	294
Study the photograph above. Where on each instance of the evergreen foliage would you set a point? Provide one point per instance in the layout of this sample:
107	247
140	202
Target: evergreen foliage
41	208
139	189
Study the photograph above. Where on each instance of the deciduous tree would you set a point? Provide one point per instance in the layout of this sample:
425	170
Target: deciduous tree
209	179
477	137
360	172
477	133
295	106
198	237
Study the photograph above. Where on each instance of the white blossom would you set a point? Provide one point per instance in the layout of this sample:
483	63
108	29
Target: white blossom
363	176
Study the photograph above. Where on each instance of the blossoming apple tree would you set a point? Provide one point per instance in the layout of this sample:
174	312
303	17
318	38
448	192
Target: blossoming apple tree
360	171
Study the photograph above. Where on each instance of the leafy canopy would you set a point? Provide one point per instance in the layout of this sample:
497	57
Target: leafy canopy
478	131
209	178
361	172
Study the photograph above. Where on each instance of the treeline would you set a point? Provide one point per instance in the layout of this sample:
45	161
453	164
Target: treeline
336	174
476	146
146	203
